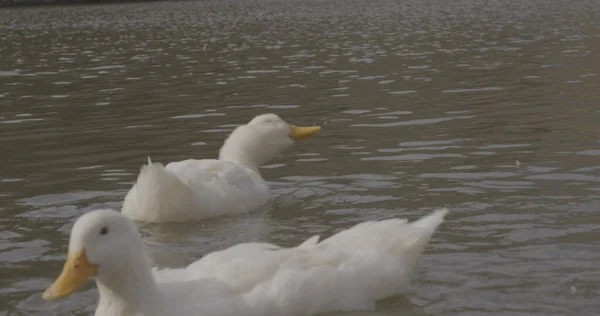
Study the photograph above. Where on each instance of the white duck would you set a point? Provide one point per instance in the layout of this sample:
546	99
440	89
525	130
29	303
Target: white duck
348	271
198	189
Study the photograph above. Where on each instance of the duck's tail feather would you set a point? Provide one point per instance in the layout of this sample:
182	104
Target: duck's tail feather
431	221
355	267
381	255
156	195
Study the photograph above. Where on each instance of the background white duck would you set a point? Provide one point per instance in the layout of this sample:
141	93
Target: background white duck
198	189
348	271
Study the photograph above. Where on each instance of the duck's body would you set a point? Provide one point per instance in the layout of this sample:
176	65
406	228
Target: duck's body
199	189
194	190
348	271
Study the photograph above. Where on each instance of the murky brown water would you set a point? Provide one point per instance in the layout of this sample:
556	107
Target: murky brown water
490	108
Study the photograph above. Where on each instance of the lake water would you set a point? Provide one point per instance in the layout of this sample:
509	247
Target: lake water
489	108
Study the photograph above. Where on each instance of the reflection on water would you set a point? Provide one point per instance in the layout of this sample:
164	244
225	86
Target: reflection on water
488	108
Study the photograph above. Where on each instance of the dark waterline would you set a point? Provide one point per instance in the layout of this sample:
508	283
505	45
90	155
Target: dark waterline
49	3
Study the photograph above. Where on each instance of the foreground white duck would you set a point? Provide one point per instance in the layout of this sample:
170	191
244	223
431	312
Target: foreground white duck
198	189
348	271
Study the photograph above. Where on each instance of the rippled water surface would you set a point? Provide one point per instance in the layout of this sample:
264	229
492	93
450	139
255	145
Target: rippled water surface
490	108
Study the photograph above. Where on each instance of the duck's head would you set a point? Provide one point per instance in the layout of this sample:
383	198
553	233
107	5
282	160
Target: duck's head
101	244
259	141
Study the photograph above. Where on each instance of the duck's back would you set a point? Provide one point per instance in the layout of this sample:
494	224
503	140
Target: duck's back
349	271
194	190
221	187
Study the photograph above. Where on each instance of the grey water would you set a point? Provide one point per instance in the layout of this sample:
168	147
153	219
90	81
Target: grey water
489	108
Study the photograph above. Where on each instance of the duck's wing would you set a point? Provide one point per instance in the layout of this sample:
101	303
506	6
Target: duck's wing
348	271
210	297
243	266
221	187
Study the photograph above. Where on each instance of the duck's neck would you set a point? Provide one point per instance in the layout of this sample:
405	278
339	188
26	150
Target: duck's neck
241	149
241	159
248	148
132	289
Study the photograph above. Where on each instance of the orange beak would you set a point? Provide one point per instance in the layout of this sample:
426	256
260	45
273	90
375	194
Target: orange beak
297	132
76	271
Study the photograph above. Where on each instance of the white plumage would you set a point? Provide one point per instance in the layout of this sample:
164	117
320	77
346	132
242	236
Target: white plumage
199	189
348	271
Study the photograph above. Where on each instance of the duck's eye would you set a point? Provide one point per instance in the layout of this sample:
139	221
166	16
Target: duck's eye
104	231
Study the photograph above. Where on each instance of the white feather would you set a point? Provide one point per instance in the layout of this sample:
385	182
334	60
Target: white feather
199	189
349	271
